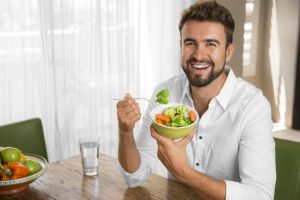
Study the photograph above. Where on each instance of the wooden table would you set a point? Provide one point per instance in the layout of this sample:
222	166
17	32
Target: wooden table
64	180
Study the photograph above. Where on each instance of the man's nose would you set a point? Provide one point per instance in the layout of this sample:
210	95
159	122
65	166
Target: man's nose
199	52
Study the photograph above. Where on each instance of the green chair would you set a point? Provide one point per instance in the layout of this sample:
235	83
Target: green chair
288	170
28	136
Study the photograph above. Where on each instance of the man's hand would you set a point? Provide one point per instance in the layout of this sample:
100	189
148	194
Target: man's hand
173	153
128	112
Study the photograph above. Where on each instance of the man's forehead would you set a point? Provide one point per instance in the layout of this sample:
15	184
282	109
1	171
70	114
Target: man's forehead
194	28
194	24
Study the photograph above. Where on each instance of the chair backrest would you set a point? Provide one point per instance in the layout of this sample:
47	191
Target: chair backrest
28	136
288	170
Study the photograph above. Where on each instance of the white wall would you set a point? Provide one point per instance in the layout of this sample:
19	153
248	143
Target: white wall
237	9
275	32
280	57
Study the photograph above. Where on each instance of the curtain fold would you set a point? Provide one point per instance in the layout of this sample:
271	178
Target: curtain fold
66	60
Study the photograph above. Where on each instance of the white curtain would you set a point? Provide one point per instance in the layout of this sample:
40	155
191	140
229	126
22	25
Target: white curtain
66	60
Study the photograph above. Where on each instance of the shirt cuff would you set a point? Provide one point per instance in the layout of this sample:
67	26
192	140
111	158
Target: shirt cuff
138	177
236	191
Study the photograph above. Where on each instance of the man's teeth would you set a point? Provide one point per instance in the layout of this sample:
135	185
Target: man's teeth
201	66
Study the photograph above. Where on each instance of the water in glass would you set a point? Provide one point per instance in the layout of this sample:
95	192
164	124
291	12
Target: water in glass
90	157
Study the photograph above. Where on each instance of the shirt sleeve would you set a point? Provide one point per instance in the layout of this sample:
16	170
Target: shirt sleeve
137	178
147	148
256	156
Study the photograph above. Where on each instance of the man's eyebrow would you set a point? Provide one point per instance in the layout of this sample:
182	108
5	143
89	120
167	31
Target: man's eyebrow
212	40
189	40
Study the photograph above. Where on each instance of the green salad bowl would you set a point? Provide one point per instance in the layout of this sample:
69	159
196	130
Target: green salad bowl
173	133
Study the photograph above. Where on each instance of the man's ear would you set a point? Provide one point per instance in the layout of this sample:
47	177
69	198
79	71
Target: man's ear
229	52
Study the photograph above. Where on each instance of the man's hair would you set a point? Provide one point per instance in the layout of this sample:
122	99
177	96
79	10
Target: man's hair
209	11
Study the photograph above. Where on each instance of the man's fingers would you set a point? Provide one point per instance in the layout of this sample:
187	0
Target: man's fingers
154	134
127	95
127	101
128	113
160	139
130	108
128	116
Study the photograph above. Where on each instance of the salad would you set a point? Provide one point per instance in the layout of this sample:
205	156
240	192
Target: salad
176	116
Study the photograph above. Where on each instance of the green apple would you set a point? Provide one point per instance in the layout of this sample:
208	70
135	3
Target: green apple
32	165
10	154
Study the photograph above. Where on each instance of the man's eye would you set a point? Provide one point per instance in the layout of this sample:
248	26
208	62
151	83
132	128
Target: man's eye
211	44
189	43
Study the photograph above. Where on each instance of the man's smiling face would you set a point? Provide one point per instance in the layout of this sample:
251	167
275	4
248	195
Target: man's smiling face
203	51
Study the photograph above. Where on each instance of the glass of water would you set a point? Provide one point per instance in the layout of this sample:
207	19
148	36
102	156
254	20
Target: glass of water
89	150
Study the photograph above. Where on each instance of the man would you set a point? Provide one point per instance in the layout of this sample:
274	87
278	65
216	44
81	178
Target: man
231	155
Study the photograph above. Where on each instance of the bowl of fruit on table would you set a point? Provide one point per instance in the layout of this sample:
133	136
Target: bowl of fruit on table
174	120
18	170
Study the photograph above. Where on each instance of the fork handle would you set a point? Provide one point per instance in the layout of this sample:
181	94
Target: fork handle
143	98
137	98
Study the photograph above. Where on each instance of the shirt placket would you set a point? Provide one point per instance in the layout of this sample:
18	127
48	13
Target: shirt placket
201	141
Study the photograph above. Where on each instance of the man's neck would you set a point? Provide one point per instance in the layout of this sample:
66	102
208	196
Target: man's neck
202	95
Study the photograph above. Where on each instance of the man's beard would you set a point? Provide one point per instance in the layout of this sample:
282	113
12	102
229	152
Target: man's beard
198	80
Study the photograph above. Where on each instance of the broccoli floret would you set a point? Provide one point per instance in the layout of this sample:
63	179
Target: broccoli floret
178	121
163	93
162	100
170	111
163	96
181	109
187	121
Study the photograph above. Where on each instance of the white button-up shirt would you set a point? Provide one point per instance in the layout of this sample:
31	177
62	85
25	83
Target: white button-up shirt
233	143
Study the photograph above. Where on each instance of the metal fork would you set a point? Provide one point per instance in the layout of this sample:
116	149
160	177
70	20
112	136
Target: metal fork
137	98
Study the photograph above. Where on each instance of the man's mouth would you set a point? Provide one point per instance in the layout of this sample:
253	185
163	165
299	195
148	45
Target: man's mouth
201	66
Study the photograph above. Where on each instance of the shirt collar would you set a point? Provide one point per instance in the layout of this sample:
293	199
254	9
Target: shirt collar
224	95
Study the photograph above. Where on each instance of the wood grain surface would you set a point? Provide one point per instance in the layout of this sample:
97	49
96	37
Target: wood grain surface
65	180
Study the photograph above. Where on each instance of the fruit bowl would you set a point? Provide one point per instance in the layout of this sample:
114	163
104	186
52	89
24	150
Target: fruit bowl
169	131
18	185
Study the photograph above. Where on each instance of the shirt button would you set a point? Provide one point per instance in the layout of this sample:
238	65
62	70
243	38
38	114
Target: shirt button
197	164
200	137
